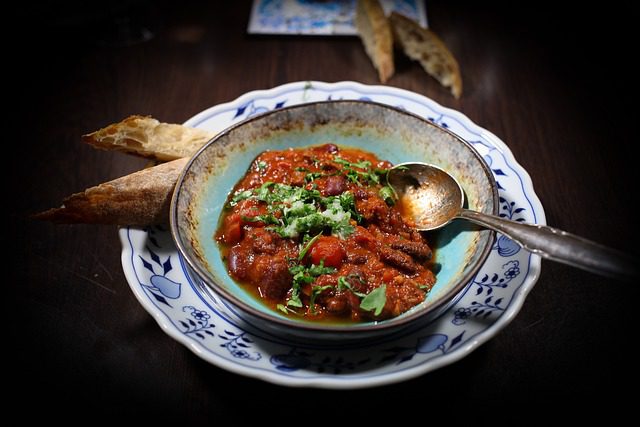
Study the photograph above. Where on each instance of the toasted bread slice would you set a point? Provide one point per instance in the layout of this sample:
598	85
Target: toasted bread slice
424	46
375	32
147	137
141	198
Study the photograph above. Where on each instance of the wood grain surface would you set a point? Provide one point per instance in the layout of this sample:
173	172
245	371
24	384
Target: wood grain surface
555	86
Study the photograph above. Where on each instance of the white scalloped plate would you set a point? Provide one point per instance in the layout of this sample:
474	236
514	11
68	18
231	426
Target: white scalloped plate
196	317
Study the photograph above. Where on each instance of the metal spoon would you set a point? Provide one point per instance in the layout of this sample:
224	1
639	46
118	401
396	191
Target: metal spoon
432	199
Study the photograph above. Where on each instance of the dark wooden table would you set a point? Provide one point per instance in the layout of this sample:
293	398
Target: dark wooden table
556	87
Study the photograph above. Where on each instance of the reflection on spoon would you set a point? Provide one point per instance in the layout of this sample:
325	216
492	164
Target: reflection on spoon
432	199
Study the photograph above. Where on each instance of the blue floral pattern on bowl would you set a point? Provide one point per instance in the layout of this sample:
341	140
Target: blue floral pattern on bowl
196	317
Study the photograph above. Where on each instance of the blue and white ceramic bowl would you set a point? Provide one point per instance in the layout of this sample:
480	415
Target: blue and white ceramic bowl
392	134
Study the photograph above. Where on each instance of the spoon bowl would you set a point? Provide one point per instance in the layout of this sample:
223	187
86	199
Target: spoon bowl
428	195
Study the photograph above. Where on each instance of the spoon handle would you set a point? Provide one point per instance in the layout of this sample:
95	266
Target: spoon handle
558	245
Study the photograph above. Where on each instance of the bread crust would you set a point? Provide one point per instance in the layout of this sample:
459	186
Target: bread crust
424	46
141	198
375	32
146	137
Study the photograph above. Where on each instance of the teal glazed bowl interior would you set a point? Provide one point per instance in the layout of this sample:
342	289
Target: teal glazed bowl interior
390	133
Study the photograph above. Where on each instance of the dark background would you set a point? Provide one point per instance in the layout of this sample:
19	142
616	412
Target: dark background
557	86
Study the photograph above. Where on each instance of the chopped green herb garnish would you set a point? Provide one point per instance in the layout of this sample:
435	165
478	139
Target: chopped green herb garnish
311	176
343	230
261	165
315	291
344	284
360	172
267	219
364	164
346	201
294	300
303	275
387	194
316	270
375	300
239	196
306	248
284	309
299	209
262	193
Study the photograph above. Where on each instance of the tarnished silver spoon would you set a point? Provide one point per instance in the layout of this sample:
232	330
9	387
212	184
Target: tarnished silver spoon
432	199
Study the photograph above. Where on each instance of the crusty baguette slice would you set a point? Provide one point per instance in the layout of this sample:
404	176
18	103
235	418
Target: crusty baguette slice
141	198
147	137
375	32
425	46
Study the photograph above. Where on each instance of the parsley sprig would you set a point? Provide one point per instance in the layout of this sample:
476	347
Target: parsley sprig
373	301
303	275
360	173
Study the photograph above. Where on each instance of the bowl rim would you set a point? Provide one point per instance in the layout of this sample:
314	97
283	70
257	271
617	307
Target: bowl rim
311	327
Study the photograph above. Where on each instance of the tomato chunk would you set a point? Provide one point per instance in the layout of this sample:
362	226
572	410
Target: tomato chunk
329	249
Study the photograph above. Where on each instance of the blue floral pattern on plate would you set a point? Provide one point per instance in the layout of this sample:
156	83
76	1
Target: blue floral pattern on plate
196	317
